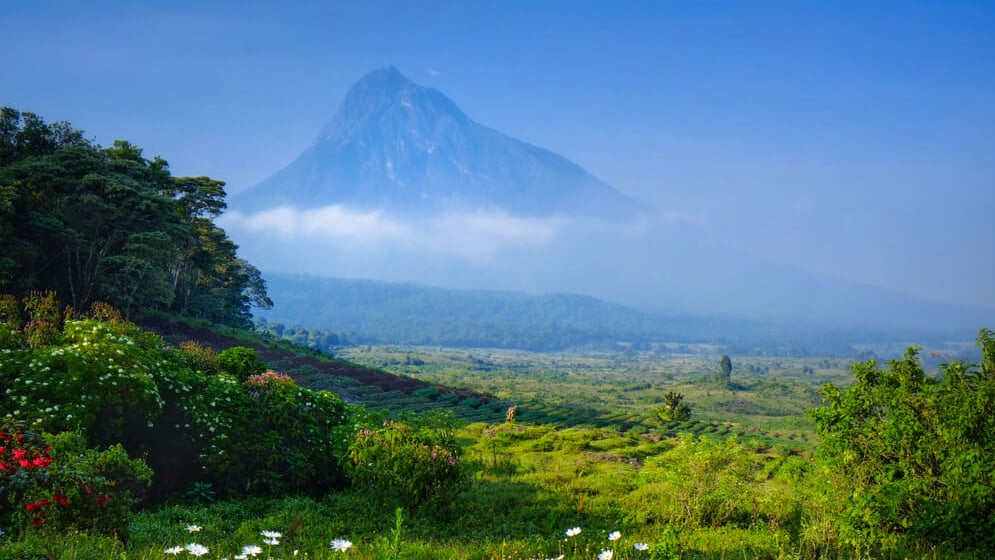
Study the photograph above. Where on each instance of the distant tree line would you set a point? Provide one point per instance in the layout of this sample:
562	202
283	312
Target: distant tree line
107	224
371	312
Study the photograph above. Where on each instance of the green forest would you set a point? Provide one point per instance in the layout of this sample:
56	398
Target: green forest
117	441
327	312
107	224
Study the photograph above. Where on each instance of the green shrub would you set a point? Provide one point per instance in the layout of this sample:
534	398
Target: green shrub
270	438
11	323
200	358
408	464
241	362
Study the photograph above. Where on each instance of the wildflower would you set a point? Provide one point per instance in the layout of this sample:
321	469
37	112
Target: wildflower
271	542
614	536
174	550
573	532
341	545
194	528
271	534
606	555
250	550
641	546
197	549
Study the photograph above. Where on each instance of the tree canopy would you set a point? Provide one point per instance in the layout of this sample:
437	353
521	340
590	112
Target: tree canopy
918	452
108	224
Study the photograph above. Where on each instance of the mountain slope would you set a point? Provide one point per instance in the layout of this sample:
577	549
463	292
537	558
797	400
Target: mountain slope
369	312
396	145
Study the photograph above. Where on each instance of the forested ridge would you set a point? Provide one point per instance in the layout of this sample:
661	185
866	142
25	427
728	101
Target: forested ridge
107	224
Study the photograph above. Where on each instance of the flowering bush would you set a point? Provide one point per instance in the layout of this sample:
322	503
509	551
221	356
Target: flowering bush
280	439
95	379
66	486
408	464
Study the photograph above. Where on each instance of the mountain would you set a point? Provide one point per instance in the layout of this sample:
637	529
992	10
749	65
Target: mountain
402	186
396	145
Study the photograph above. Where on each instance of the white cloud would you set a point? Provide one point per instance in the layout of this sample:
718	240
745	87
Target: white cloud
469	235
329	221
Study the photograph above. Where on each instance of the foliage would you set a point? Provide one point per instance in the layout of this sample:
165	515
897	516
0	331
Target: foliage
277	438
410	464
919	451
673	409
724	376
114	383
95	224
67	486
241	362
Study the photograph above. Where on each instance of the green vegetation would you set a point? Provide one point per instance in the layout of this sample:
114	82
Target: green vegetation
270	455
118	443
106	224
328	312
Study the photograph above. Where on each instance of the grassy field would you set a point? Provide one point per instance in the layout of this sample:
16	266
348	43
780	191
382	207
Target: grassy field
767	395
585	470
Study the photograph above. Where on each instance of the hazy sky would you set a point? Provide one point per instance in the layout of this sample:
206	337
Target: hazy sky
851	138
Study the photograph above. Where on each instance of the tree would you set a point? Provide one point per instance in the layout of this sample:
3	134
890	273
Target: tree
673	409
919	451
110	225
724	375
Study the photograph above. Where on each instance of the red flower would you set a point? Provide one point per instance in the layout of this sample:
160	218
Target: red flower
100	500
19	454
37	521
60	499
41	462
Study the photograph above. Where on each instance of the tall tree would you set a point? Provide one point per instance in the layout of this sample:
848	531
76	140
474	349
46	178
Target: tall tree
109	224
724	375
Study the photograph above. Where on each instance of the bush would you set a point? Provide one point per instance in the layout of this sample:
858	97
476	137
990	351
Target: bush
408	464
241	362
96	380
918	451
67	486
271	438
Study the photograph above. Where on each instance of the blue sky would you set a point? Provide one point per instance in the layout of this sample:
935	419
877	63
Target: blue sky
855	139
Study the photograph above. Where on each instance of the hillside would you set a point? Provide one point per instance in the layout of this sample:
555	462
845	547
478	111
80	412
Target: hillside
373	388
369	312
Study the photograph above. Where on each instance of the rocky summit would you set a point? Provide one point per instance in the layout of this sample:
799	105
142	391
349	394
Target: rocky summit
401	147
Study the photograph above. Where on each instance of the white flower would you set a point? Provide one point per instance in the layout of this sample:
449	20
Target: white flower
606	555
573	532
271	534
614	536
271	542
341	545
196	549
251	550
194	528
641	546
174	550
